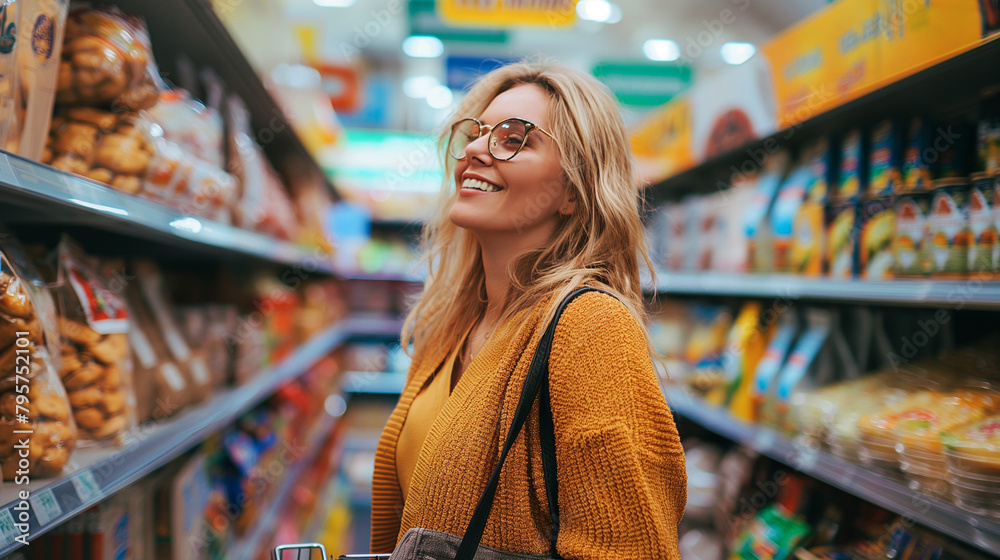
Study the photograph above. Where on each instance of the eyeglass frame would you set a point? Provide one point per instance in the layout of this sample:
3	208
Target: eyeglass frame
528	127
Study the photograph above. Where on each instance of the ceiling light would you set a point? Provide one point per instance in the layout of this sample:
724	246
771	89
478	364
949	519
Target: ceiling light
334	3
600	11
418	87
423	46
439	97
737	53
661	50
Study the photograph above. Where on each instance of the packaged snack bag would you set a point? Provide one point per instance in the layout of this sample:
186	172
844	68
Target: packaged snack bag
760	247
877	228
31	397
809	235
96	362
885	159
771	363
842	240
984	250
40	25
784	212
916	173
107	61
911	240
853	167
9	86
949	228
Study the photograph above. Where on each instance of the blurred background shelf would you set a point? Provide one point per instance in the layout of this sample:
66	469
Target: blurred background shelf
893	495
101	472
373	382
45	196
972	293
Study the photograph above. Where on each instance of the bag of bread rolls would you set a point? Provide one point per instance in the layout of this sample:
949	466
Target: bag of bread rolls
9	85
111	148
107	61
37	431
96	364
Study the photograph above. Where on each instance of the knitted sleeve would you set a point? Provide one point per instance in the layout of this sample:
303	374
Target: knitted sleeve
620	465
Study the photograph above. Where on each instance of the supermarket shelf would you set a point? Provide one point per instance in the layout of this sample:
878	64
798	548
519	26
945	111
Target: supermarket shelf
373	325
247	547
380	276
207	43
968	294
893	495
370	382
948	84
102	472
45	194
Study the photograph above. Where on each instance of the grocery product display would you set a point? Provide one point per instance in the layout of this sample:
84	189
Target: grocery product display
200	310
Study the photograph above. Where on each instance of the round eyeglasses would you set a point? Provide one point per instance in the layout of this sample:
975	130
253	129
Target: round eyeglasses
506	139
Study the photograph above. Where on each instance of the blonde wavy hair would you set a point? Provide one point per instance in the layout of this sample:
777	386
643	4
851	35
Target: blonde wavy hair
598	245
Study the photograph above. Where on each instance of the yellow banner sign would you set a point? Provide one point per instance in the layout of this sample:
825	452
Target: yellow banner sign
508	13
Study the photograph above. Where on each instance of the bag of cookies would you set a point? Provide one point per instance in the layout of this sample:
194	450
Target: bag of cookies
107	61
31	398
112	148
96	366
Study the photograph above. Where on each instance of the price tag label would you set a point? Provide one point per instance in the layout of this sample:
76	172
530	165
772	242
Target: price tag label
46	507
6	172
8	531
86	487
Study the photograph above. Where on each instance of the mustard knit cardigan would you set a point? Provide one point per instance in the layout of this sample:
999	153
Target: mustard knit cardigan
620	465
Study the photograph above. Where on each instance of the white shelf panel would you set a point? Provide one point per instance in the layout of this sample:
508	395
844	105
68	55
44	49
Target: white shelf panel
972	293
893	495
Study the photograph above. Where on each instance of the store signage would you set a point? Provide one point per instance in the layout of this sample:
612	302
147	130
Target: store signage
508	13
425	20
644	84
463	71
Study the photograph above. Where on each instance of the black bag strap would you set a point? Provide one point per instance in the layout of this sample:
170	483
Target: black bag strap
536	380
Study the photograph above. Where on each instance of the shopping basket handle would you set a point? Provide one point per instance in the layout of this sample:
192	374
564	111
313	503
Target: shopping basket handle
278	550
368	556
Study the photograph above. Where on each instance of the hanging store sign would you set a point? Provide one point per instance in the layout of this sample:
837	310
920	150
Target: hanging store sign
644	84
508	13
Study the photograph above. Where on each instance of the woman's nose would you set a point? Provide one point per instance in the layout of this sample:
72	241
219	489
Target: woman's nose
480	149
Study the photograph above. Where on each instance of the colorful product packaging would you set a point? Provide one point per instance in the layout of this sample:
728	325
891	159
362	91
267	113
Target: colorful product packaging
743	350
877	227
989	136
803	367
916	167
772	361
841	239
759	244
808	238
784	213
853	167
773	535
885	159
984	250
952	148
949	228
911	241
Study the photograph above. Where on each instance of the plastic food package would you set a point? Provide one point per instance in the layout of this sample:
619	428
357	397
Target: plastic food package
263	204
107	147
770	364
973	464
161	387
206	329
192	365
29	69
705	347
107	61
814	412
197	129
775	531
31	397
96	364
179	179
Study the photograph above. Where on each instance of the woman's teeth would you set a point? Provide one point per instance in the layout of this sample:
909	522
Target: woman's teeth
478	185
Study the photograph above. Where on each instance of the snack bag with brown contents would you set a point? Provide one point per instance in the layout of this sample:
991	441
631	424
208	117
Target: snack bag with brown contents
112	148
107	61
96	366
31	398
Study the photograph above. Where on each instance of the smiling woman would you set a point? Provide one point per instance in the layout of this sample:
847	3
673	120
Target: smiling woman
539	201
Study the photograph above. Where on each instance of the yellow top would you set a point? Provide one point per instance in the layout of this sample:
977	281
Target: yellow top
425	408
620	464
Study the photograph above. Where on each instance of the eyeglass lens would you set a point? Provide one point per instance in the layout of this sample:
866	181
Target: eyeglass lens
505	139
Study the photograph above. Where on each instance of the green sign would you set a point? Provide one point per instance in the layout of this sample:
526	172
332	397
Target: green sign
644	84
424	20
